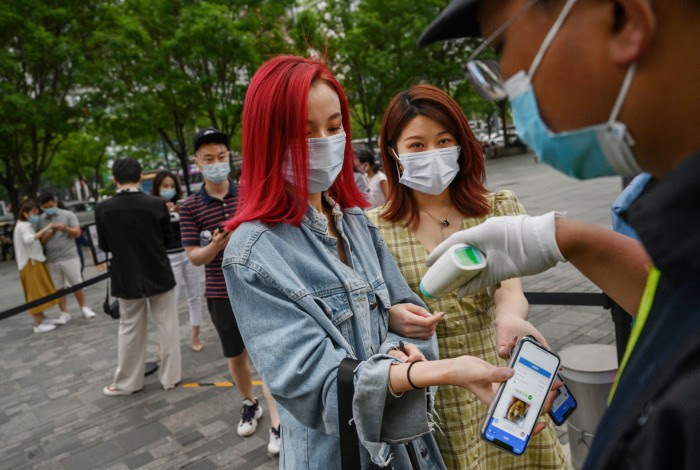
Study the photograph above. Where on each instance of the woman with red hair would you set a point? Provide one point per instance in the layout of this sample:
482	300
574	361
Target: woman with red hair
312	283
436	175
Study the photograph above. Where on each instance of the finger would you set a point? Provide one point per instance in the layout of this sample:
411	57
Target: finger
500	374
417	309
539	427
539	338
504	348
426	322
398	355
551	396
414	354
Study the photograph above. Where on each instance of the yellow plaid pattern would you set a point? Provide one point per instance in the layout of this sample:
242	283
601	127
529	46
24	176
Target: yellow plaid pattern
467	328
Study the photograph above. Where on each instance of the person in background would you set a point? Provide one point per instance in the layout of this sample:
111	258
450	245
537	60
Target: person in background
378	186
6	241
30	258
62	259
167	187
135	227
360	177
436	175
202	218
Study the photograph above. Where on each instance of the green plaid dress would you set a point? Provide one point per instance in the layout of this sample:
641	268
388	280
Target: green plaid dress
468	328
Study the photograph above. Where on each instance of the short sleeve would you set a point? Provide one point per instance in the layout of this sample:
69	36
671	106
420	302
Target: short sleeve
506	203
188	227
381	176
72	220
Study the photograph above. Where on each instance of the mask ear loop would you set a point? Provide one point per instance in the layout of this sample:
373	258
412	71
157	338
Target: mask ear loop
550	37
624	89
396	161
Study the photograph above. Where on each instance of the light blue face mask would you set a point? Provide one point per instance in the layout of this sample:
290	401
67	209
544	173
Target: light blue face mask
216	172
51	211
33	219
598	150
168	193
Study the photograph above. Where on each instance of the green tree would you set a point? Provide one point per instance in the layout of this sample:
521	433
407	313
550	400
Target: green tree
372	45
42	61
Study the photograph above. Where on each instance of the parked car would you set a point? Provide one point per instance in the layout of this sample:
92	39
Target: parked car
84	210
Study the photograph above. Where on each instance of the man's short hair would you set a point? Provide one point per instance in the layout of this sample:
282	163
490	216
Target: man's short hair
126	170
46	196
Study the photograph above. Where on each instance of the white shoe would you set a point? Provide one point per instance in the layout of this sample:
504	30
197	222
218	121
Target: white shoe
44	327
62	319
87	312
250	414
273	447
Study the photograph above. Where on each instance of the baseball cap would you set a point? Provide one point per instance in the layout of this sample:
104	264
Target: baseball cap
457	20
209	135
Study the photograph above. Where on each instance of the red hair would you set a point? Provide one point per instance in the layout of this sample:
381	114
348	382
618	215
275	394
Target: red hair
274	141
467	191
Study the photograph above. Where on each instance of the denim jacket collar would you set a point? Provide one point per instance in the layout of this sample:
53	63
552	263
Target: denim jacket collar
317	221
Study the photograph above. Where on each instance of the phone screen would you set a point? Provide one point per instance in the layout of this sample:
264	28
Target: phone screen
564	404
521	399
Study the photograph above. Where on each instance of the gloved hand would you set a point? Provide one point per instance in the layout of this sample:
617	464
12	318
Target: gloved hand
514	246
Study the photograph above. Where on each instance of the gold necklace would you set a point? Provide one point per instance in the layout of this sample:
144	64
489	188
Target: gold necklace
443	223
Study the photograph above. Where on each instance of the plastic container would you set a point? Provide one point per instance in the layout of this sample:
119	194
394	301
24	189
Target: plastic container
452	270
589	371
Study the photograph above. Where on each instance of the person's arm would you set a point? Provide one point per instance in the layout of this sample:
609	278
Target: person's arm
384	184
166	226
618	264
72	228
510	316
46	235
206	254
101	230
517	246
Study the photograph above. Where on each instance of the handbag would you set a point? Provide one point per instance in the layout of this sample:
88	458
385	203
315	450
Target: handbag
349	442
111	308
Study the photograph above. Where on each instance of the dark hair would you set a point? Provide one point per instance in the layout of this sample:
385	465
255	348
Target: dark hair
46	196
126	170
367	156
158	180
26	206
467	190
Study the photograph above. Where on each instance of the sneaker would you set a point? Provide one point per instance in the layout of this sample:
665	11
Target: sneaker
250	414
273	447
44	327
62	319
87	312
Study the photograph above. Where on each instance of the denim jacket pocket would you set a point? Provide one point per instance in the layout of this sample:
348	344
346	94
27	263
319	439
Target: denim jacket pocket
383	300
338	310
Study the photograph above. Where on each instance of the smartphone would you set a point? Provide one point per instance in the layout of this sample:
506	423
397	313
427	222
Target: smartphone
513	414
564	404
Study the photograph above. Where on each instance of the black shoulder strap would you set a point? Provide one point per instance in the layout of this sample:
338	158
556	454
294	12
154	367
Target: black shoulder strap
349	443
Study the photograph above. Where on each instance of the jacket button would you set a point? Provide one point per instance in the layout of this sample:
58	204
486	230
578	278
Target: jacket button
424	452
372	305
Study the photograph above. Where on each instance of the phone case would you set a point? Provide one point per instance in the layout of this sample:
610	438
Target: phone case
489	414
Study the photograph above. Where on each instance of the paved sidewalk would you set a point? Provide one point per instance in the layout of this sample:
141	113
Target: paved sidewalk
53	413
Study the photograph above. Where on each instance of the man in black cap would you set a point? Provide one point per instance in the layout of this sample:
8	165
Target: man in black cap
202	218
603	87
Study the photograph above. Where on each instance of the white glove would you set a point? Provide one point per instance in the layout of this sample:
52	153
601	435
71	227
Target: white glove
514	246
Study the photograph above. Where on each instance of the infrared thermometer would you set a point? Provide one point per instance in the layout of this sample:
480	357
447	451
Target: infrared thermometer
452	270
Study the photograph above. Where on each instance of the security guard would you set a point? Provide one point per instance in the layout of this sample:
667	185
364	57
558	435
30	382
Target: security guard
604	87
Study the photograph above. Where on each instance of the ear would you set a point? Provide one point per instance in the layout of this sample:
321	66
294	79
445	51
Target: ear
635	25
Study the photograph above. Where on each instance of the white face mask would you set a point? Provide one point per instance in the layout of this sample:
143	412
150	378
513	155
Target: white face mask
326	158
429	172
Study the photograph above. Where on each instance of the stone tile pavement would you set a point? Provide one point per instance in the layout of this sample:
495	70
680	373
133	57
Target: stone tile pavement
53	414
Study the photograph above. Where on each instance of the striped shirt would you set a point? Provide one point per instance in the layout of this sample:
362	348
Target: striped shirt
200	215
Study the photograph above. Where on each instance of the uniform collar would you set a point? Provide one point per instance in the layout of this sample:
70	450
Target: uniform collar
667	219
206	198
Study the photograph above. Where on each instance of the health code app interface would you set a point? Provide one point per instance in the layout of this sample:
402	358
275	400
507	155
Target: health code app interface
519	405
